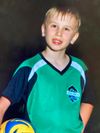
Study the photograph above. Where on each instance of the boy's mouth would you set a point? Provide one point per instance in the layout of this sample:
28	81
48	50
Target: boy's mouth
56	41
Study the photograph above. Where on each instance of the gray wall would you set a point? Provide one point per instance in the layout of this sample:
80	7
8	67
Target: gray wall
20	22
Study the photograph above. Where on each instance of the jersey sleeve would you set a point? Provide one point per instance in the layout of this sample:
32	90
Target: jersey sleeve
88	95
17	85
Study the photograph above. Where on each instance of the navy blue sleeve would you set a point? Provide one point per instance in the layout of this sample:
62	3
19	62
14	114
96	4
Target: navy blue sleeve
89	93
17	85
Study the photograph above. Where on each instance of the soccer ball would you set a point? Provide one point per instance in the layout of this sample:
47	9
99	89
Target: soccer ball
16	125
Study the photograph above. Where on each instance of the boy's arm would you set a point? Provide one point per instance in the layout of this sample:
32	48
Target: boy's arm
85	112
4	104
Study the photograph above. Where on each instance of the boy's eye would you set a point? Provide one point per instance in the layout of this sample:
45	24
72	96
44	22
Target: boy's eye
54	26
67	29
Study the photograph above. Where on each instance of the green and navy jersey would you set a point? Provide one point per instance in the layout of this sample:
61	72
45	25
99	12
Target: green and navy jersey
52	97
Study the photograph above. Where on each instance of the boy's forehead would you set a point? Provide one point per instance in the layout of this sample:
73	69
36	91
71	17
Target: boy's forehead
62	17
67	19
64	14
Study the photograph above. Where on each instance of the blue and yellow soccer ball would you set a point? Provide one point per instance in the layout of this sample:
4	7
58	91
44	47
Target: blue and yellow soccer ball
16	126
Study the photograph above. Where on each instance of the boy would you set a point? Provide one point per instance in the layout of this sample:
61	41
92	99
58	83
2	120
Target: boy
53	83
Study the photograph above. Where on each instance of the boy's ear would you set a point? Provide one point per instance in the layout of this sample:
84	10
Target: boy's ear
75	37
43	30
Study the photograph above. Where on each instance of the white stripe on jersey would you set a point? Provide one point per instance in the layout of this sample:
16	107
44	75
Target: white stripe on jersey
38	65
80	69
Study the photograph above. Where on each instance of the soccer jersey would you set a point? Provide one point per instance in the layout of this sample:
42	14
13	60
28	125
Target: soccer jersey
52	97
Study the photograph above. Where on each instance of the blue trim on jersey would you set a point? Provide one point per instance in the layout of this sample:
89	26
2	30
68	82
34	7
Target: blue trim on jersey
38	65
80	69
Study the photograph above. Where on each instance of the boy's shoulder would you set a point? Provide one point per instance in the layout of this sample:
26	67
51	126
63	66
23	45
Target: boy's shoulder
79	61
29	62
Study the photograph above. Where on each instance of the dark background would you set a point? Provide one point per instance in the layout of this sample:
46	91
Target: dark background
20	38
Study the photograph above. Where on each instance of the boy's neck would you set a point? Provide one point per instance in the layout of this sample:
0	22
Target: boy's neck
58	59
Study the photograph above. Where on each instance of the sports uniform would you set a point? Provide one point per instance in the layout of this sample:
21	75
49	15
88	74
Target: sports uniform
52	97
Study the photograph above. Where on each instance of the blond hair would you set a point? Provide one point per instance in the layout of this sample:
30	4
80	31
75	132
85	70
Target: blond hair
63	10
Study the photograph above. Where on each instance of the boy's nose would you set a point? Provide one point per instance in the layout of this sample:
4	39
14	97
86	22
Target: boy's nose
59	32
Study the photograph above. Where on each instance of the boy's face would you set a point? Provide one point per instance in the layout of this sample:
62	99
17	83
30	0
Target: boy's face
59	31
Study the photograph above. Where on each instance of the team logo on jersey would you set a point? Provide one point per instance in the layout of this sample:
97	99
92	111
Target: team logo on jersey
73	94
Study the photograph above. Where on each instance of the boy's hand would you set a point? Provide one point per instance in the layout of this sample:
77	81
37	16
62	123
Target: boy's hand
4	104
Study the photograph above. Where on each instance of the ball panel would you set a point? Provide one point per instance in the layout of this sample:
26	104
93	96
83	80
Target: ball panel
16	126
